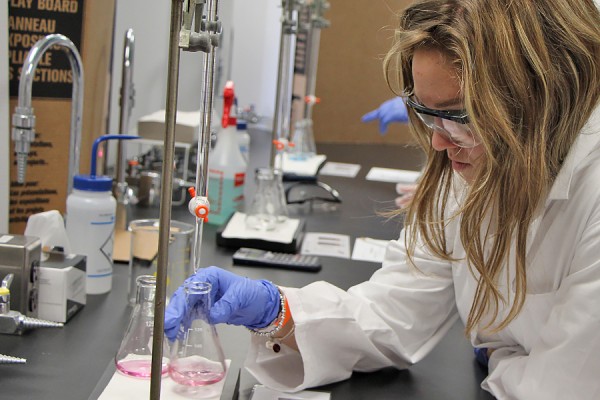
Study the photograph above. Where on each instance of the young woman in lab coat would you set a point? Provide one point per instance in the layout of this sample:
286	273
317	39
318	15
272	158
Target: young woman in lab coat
504	228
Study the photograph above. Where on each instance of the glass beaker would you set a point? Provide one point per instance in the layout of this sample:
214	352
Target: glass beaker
134	357
197	359
304	141
268	205
144	253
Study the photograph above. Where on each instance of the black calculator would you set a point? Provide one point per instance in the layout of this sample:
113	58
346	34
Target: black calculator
265	258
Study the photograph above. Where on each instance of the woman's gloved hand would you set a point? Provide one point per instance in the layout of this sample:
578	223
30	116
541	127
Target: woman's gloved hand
393	110
235	300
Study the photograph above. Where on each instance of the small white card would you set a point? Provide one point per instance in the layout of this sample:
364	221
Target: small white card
260	392
392	175
340	169
122	387
326	244
367	249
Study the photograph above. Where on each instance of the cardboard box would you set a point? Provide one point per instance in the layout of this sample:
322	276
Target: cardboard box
62	286
89	25
187	127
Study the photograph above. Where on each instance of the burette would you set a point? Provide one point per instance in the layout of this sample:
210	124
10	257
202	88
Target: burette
285	75
316	9
194	26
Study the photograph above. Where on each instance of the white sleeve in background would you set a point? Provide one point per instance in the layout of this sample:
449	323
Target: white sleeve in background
394	319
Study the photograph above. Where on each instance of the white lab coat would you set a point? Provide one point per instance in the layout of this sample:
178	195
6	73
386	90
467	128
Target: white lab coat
550	351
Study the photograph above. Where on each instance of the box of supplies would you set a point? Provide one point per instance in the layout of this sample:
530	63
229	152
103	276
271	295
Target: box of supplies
62	286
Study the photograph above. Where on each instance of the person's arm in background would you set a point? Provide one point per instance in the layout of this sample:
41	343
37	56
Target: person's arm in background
392	110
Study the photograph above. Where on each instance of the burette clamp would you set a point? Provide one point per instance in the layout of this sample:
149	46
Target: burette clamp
282	144
199	206
311	99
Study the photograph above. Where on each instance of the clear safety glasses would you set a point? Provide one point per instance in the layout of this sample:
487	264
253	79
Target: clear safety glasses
453	124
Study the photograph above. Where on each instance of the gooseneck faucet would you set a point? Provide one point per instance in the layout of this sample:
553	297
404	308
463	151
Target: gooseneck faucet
23	119
126	103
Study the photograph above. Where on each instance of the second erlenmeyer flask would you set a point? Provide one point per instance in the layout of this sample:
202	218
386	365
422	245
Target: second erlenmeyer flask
268	205
134	357
304	141
197	358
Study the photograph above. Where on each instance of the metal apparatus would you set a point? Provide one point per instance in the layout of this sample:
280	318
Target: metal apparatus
13	322
194	26
23	119
126	102
311	23
285	75
21	256
317	22
4	359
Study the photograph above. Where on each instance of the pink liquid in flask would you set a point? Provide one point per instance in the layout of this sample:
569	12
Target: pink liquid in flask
139	368
194	371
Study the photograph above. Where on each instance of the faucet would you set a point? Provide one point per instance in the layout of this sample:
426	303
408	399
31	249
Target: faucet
126	103
23	119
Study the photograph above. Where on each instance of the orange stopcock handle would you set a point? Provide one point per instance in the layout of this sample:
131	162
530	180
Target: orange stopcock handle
228	97
198	205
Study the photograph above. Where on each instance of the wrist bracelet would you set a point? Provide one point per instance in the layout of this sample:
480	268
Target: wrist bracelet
275	343
282	318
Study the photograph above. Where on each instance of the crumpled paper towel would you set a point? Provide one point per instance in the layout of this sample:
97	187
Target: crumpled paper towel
49	226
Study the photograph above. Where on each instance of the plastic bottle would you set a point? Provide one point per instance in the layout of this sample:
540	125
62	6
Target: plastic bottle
226	167
91	210
243	139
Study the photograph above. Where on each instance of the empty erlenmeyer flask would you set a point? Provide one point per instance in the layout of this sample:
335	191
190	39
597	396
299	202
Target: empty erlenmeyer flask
268	205
134	357
304	141
197	358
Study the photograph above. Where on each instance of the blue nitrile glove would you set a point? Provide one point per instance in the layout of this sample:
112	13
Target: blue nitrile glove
392	110
481	355
235	300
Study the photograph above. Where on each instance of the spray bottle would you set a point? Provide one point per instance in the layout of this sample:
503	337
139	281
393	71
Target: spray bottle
226	167
91	210
243	137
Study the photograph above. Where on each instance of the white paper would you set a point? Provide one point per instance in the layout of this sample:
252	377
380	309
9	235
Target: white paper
283	233
340	169
122	387
326	244
392	175
260	392
367	249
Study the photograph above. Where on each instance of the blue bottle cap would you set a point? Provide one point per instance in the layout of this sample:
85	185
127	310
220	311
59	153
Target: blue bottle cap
242	125
92	183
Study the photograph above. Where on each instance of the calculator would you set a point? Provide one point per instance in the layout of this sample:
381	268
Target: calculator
265	258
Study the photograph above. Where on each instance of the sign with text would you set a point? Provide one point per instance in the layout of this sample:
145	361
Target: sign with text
90	28
31	20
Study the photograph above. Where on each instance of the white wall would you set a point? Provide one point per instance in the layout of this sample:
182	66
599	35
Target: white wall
4	120
255	52
257	27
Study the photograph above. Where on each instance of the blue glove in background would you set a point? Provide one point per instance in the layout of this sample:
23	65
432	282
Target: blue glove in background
235	300
393	110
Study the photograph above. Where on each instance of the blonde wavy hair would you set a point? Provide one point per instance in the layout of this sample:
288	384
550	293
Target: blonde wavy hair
530	76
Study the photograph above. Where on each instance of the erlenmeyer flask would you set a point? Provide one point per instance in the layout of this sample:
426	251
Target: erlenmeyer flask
268	205
197	359
134	357
282	211
304	141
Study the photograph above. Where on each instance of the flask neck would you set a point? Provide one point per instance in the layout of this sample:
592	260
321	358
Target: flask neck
146	289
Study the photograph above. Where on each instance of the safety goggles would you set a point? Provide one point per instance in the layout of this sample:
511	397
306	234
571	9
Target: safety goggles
452	124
